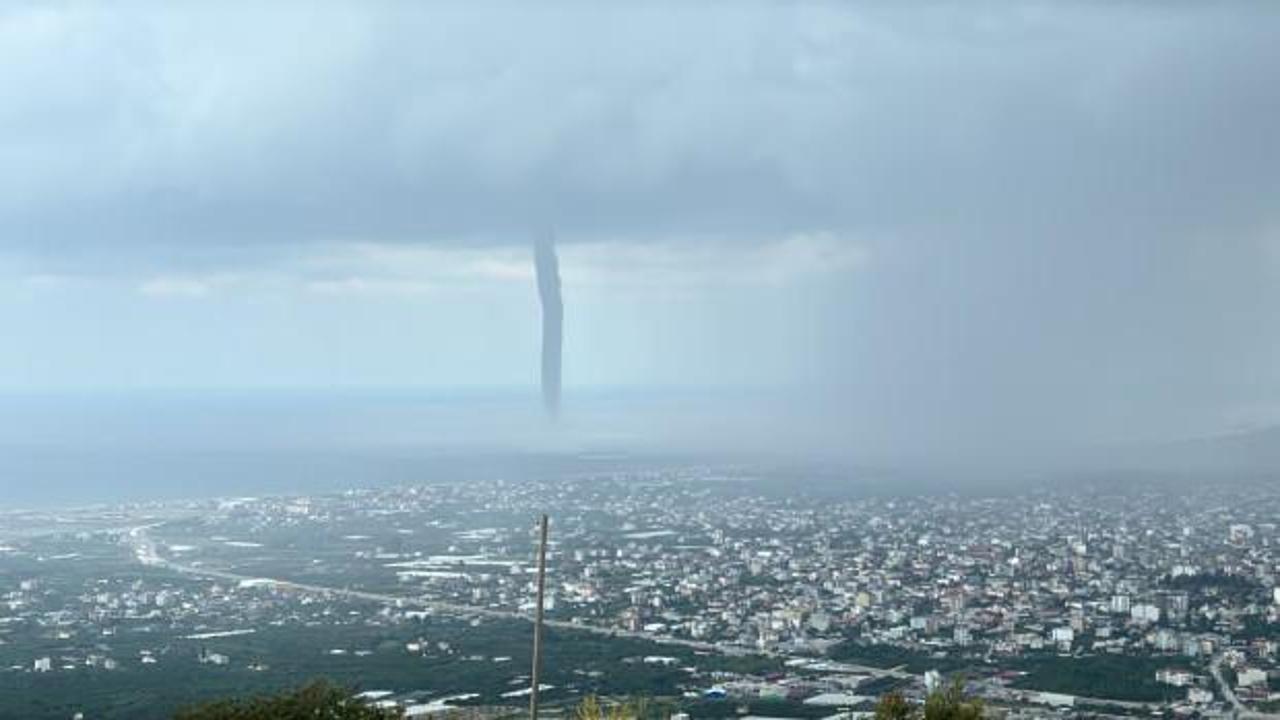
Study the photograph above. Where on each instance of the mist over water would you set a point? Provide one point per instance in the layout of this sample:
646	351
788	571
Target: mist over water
82	449
78	449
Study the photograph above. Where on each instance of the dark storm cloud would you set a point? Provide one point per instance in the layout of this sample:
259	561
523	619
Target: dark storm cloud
231	126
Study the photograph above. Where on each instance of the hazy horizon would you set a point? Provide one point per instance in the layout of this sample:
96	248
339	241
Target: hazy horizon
86	448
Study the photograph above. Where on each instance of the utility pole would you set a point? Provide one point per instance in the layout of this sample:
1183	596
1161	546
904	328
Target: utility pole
537	620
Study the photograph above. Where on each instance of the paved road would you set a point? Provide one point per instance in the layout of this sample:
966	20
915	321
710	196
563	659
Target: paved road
1215	669
1238	708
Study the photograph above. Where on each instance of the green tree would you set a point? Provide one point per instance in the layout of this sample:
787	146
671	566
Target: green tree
590	708
893	706
949	703
320	700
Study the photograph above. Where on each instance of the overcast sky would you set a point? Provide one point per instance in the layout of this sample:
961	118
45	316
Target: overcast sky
946	224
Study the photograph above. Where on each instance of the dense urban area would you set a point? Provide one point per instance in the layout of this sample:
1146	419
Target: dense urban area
712	590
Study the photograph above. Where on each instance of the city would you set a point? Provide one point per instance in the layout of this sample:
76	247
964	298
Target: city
721	587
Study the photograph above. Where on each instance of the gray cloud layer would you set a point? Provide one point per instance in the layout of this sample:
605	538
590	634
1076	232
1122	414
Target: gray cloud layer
231	124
